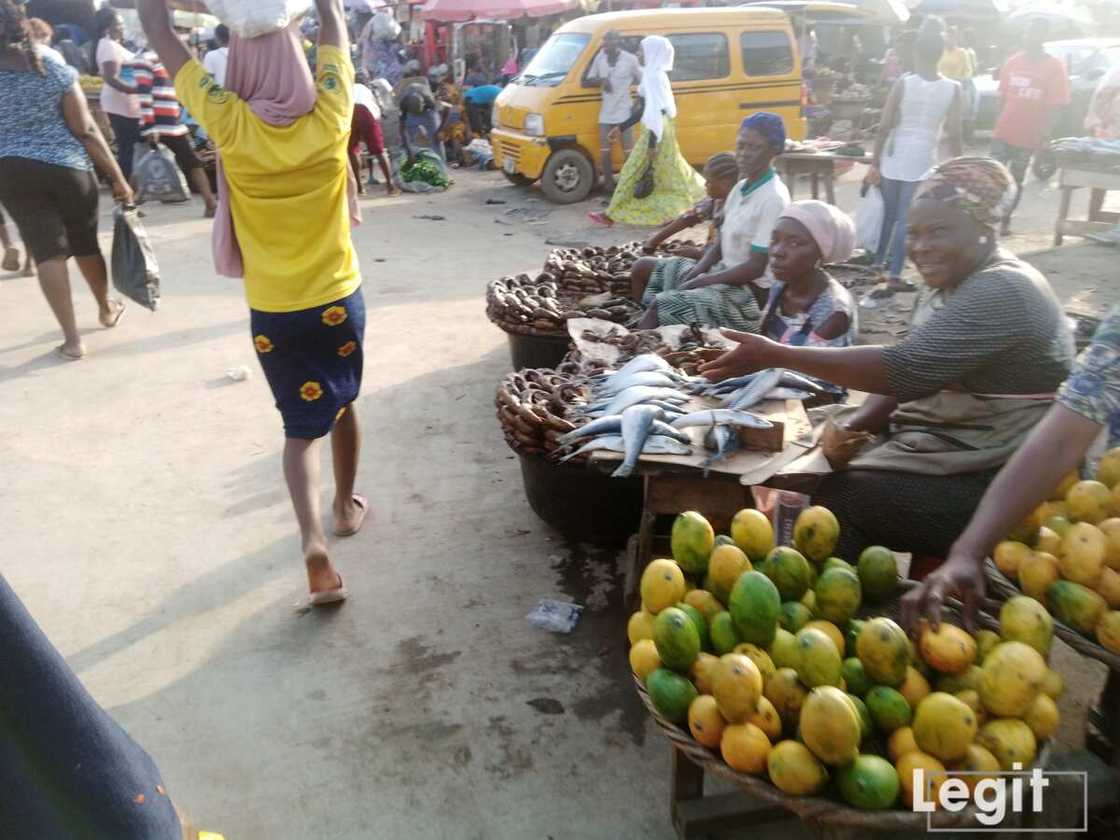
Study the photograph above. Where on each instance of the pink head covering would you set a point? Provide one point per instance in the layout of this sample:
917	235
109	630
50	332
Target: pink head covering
271	74
831	228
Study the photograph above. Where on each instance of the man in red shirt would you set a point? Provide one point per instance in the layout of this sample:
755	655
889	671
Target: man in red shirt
1032	86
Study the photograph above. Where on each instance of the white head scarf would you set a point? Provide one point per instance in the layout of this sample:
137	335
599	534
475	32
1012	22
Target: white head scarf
655	88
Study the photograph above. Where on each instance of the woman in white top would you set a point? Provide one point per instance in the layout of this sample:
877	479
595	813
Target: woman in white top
921	104
118	98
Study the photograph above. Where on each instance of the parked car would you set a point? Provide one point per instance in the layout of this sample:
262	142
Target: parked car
1086	59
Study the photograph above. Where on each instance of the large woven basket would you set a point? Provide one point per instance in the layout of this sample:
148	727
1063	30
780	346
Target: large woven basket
820	809
1004	589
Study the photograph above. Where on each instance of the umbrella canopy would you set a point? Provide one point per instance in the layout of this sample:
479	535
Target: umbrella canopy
968	9
841	11
459	11
1053	13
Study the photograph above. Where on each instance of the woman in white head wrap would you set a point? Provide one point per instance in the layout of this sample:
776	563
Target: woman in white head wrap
656	183
807	306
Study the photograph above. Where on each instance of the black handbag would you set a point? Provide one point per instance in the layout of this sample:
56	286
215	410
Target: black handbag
644	187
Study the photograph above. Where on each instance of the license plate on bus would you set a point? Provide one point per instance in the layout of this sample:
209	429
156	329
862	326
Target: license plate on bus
509	166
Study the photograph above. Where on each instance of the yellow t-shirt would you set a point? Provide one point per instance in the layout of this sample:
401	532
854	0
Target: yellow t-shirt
287	186
956	64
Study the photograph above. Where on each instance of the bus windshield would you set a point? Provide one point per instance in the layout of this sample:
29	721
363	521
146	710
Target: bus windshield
552	63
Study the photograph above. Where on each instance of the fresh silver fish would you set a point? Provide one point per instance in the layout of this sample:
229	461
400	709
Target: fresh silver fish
611	443
721	417
636	423
613	426
756	391
639	364
635	396
784	393
661	445
792	379
616	384
723	441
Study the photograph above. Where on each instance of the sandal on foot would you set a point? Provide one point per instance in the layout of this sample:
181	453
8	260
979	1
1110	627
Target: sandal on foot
897	284
117	315
11	260
63	353
600	219
329	596
363	504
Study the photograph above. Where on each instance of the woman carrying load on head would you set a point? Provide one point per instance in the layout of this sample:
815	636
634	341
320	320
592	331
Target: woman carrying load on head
727	285
283	224
676	186
988	347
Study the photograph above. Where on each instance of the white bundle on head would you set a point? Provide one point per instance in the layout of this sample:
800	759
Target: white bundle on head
250	18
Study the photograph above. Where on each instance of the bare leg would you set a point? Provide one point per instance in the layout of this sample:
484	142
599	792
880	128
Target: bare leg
346	446
606	165
202	181
356	168
640	274
97	278
11	255
55	283
649	319
301	471
387	171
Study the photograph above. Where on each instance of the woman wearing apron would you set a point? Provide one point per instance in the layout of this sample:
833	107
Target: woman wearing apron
988	348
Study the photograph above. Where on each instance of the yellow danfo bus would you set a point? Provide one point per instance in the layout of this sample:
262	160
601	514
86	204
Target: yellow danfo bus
729	63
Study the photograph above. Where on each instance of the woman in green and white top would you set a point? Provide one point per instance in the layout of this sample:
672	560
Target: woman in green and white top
726	286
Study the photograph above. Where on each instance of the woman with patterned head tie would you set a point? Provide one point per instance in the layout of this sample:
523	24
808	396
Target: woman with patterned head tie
987	349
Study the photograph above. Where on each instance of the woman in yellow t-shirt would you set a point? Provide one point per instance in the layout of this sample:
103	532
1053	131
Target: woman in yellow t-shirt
283	224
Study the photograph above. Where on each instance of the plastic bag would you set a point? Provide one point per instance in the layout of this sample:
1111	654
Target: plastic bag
135	270
158	177
554	615
384	26
869	219
250	18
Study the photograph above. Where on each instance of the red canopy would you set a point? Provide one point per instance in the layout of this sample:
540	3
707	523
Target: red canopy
459	11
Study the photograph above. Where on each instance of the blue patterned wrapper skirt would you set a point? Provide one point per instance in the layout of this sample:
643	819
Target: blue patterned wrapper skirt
312	360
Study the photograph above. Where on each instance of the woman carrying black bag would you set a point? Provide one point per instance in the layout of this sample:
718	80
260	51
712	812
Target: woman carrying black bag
47	182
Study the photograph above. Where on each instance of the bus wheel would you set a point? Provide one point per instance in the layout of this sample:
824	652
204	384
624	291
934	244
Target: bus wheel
568	177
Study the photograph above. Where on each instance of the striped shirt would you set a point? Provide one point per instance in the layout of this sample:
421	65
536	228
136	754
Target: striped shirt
159	106
1001	331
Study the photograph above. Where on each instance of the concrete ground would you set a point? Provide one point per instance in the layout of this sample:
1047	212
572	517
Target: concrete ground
150	534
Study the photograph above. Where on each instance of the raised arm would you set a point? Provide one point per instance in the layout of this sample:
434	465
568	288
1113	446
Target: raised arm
859	368
156	20
332	24
1053	449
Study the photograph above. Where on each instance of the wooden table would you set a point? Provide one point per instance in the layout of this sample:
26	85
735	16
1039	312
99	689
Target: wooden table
817	165
1099	221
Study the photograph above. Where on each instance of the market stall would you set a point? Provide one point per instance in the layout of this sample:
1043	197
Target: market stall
493	31
1089	164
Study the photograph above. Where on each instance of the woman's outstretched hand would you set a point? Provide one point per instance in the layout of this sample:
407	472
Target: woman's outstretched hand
960	575
753	353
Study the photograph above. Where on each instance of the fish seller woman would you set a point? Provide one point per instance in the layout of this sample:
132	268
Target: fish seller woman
727	286
988	347
283	225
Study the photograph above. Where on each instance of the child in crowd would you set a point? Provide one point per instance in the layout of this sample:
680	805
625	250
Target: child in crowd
721	173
